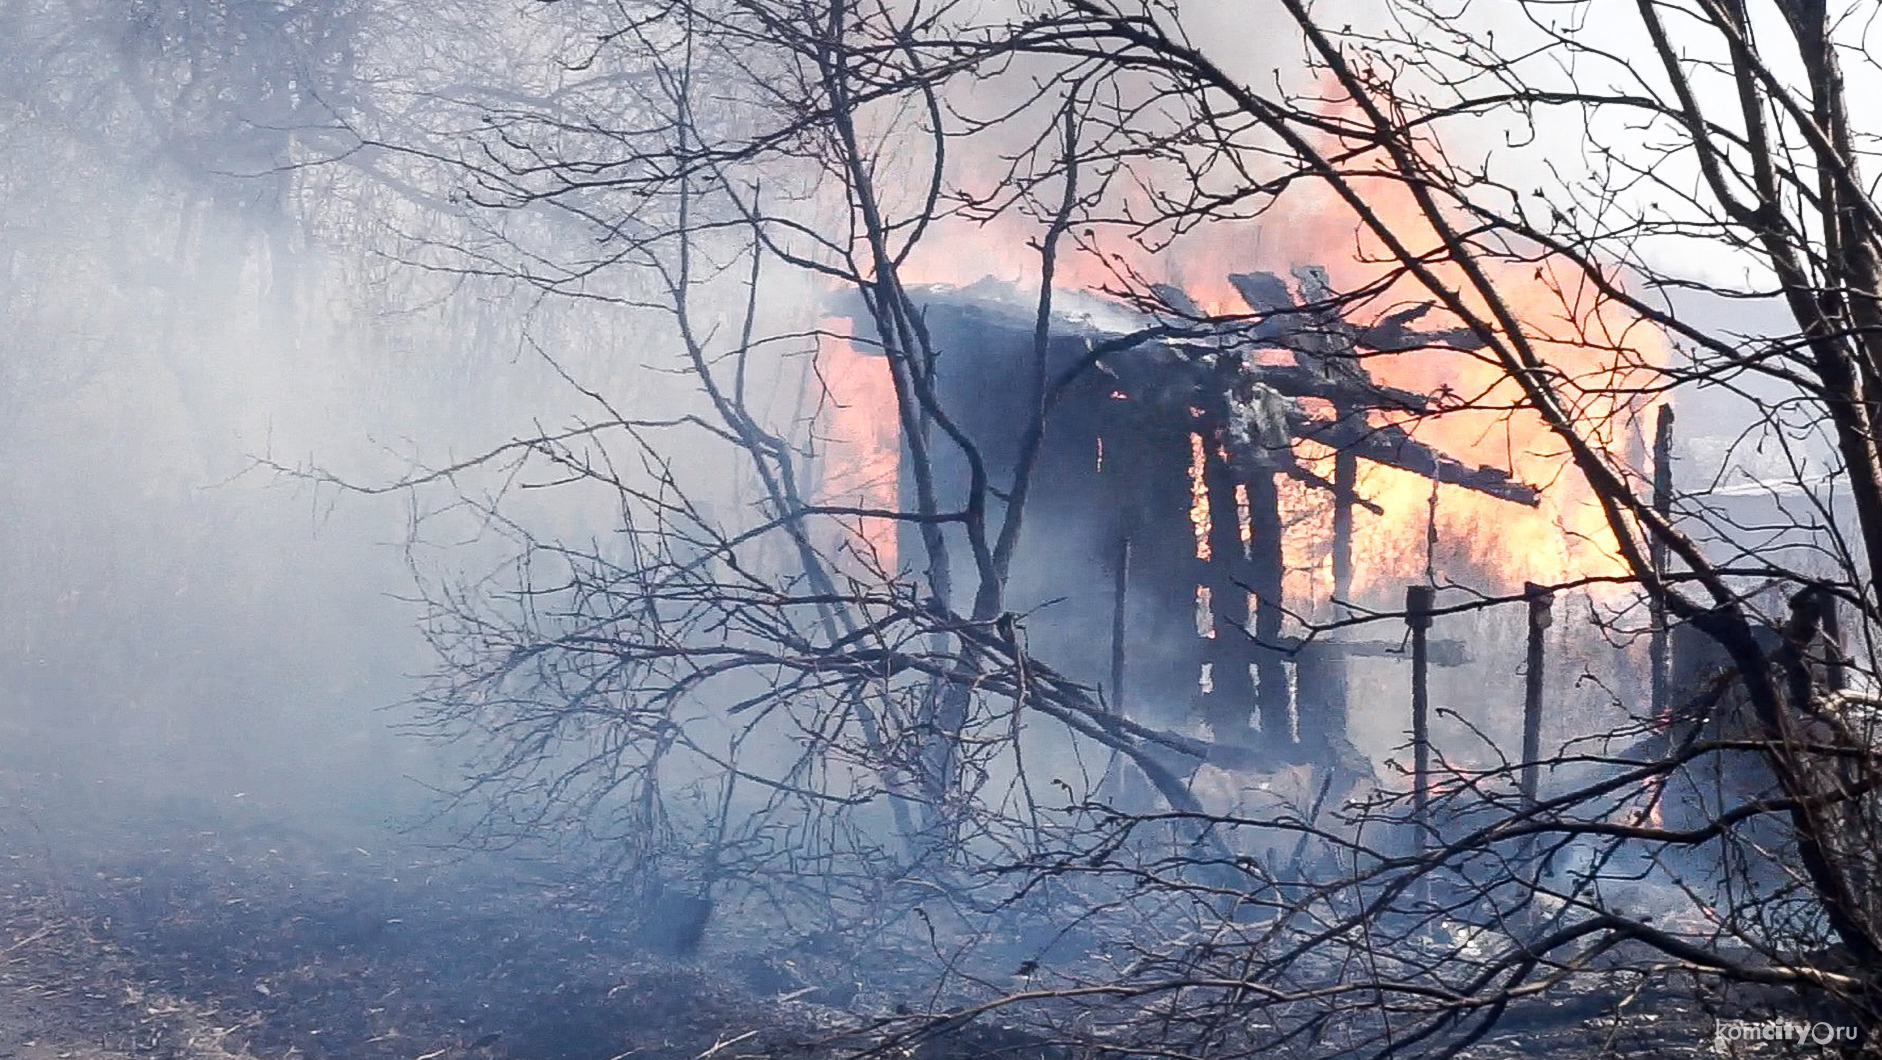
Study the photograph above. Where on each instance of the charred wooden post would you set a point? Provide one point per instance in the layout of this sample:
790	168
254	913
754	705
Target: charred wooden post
1835	676
1418	605
1658	660
1345	486
1320	676
1266	569
1803	656
1541	600
1228	705
1249	443
1143	502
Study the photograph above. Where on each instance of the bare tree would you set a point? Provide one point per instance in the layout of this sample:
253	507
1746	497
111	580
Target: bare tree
768	678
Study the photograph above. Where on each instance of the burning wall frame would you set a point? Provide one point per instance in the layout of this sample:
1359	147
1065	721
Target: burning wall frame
1155	522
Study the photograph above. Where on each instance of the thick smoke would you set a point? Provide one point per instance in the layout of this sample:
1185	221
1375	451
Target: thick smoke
183	626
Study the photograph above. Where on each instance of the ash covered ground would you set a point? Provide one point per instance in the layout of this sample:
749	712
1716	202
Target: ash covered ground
196	931
223	935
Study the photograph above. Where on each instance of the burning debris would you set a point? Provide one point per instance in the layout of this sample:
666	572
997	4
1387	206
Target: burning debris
1161	486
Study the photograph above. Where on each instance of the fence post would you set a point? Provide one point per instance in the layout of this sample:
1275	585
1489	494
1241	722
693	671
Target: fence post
1540	618
1657	652
1418	603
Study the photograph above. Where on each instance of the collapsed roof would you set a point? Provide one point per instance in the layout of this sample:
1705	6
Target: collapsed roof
1257	376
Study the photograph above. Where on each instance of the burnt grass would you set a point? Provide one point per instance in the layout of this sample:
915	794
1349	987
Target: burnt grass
154	939
232	937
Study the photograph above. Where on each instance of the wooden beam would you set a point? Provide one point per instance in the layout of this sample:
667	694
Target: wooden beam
1390	445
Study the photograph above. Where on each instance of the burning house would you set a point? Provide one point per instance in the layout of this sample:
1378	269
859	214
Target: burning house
1154	554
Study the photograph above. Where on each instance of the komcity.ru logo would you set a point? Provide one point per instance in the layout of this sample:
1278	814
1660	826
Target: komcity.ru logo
1801	1032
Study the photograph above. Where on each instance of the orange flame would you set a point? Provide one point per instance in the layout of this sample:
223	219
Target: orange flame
1596	352
1199	518
858	428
